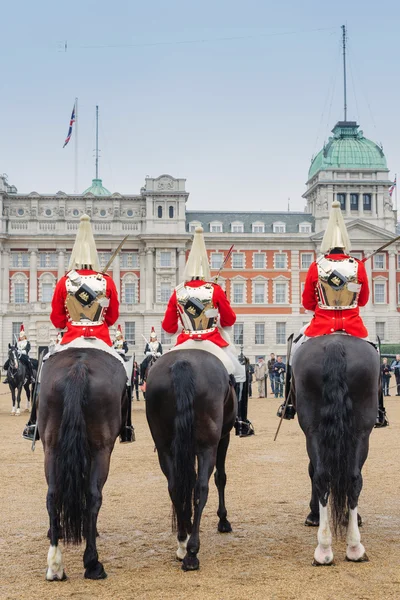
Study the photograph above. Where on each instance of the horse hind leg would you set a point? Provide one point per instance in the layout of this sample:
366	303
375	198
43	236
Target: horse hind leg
55	567
323	554
355	551
312	519
220	481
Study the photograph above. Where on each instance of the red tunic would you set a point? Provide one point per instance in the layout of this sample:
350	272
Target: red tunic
220	301
60	320
327	321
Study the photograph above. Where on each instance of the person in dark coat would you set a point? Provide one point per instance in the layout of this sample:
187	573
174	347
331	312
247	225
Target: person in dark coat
279	372
386	375
395	366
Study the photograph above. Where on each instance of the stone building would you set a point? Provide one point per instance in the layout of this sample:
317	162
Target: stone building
263	278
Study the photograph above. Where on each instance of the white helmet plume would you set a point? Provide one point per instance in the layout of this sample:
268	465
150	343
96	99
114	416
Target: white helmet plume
84	253
197	263
335	235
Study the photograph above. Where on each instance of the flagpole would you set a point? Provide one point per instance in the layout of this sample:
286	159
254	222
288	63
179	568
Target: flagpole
76	188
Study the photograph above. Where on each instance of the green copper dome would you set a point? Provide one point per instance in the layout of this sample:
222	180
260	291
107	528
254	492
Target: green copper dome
348	149
97	189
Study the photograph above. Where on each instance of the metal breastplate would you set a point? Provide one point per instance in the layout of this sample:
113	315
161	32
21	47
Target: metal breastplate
337	287
86	301
118	344
154	346
195	303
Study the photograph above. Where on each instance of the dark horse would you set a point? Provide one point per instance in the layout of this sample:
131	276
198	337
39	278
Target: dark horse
336	382
17	379
81	402
191	408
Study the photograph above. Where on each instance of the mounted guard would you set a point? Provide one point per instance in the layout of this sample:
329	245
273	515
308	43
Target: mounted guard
152	351
23	348
120	345
202	309
335	287
85	302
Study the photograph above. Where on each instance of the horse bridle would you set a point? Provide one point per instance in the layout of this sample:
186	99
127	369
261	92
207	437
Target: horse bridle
14	362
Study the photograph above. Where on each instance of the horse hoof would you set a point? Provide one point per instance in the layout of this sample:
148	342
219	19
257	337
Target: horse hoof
190	563
27	410
315	563
224	527
18	413
312	520
96	572
55	577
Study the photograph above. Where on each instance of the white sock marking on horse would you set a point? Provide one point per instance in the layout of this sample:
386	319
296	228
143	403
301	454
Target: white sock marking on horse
18	412
13	410
323	554
55	564
355	550
181	552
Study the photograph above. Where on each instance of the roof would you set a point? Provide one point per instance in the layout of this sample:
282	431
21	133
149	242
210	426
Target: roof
292	220
97	189
348	149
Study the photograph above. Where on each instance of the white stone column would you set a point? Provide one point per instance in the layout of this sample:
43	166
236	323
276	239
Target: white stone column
116	269
142	281
5	278
368	269
361	204
33	288
149	292
181	264
392	281
61	264
295	281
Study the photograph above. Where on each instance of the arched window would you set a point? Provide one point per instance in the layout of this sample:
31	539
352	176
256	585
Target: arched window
47	283
171	212
130	289
159	212
19	288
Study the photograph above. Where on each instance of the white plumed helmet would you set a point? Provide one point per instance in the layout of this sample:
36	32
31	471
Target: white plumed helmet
335	235
84	253
197	266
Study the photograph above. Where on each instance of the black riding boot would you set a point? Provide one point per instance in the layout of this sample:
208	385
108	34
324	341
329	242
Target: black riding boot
29	431
290	411
127	434
381	419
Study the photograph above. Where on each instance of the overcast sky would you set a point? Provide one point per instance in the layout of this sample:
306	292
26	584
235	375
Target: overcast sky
234	96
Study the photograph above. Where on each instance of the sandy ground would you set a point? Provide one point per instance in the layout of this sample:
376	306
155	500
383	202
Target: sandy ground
268	555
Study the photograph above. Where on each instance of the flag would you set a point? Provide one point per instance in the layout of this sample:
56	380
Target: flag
391	189
71	123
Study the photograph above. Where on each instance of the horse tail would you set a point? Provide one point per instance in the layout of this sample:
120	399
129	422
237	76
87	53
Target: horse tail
183	445
73	464
336	431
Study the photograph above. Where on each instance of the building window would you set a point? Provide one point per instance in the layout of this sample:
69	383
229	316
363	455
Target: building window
259	333
129	260
357	255
380	328
165	338
353	201
367	201
257	227
281	292
216	260
238	334
48	260
237	227
171	212
165	291
280	260
259	260
159	212
20	260
279	227
129	292
237	260
342	199
238	293
380	292
19	293
104	257
259	293
280	333
379	261
305	228
165	259
193	225
398	293
46	292
306	259
16	328
216	227
130	327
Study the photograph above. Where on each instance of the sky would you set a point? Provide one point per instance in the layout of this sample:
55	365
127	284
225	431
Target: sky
235	97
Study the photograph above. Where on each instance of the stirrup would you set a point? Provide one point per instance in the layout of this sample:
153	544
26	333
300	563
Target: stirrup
29	432
127	435
289	413
381	419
